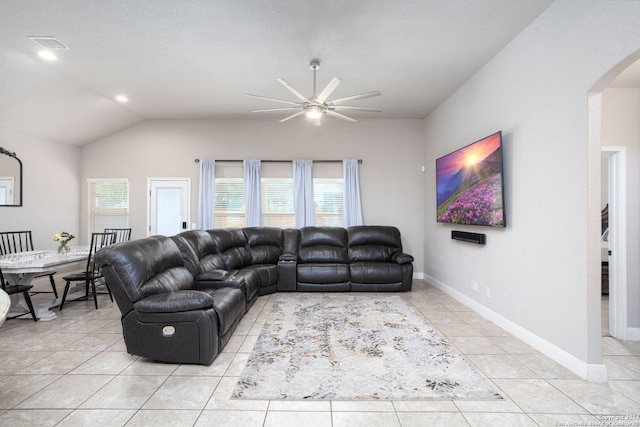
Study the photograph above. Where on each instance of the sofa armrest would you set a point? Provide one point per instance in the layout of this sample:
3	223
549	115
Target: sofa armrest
230	281
402	258
173	302
288	258
287	273
216	274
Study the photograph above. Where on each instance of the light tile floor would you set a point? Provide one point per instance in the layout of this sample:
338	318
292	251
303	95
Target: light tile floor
74	371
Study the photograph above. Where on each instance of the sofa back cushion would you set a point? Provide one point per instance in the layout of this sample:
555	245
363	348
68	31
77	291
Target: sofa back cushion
231	245
323	245
198	251
139	268
264	244
373	243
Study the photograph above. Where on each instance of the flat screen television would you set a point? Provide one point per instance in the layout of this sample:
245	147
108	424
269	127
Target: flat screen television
469	184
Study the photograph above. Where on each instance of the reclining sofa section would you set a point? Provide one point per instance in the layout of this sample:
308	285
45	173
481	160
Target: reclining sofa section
181	297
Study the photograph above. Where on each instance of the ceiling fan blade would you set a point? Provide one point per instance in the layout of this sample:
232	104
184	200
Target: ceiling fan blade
328	90
344	107
275	109
354	97
273	99
293	90
316	122
340	116
291	116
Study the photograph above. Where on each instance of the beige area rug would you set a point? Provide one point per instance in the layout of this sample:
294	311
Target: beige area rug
317	346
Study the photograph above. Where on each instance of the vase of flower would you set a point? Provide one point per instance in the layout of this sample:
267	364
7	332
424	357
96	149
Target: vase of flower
63	238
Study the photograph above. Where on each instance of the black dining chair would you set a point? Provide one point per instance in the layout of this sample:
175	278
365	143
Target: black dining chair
122	234
92	272
16	289
12	242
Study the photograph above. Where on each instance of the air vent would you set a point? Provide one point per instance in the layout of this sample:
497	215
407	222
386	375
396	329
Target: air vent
49	42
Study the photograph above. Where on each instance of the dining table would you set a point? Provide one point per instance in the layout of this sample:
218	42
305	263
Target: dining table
22	267
5	303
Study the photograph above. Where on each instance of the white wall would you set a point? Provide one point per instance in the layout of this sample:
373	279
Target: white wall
390	175
50	192
621	127
542	271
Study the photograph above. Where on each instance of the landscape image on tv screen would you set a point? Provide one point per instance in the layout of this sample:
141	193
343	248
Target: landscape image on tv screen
469	184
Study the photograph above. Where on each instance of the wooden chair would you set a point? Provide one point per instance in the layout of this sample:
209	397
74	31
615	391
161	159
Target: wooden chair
12	242
15	289
92	271
122	234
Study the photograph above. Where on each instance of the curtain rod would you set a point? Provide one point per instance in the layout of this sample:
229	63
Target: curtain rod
282	161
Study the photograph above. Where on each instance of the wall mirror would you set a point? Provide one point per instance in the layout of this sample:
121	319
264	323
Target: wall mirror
10	179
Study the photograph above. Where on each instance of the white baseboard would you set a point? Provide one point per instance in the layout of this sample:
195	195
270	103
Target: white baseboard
587	371
418	276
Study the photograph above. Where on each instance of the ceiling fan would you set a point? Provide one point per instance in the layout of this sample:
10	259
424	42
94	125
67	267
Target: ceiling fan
318	105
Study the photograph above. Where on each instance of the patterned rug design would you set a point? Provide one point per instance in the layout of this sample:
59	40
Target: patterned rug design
316	346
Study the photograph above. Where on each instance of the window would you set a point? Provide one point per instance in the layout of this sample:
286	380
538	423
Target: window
108	202
229	203
328	193
277	202
277	195
328	201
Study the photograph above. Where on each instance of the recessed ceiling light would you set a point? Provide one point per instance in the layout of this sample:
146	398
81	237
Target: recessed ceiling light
48	55
122	99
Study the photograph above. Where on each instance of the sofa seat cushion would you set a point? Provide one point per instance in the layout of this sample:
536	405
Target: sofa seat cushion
376	272
267	273
173	302
229	305
251	278
323	273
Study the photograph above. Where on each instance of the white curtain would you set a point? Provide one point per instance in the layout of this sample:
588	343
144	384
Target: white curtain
206	194
303	206
252	203
352	203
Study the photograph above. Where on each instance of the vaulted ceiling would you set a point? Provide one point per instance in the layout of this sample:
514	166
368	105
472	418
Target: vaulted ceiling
178	59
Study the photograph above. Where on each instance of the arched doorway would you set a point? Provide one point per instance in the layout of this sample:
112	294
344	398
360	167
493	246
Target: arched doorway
625	74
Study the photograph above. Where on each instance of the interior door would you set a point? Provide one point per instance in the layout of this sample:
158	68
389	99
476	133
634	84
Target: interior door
168	206
6	190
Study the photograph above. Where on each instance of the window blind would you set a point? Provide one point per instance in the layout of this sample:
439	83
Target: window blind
277	202
229	203
328	200
108	201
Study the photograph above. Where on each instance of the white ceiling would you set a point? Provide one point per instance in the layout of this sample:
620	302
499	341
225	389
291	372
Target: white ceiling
179	59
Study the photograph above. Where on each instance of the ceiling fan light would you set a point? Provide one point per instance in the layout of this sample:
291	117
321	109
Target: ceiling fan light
314	112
